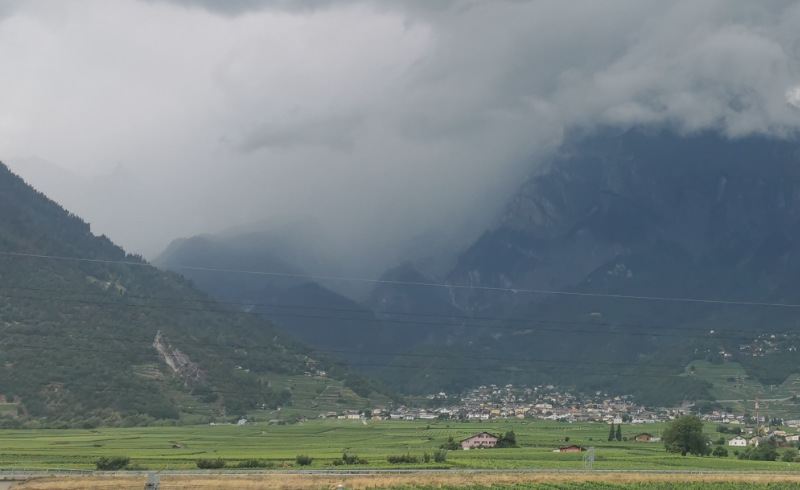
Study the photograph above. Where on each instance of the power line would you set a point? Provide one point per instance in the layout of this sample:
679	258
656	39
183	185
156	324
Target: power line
424	284
668	333
482	368
318	350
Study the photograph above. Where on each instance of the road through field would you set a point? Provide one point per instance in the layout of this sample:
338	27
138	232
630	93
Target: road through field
330	480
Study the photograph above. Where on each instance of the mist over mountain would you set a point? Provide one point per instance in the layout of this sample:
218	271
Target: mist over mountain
482	150
702	224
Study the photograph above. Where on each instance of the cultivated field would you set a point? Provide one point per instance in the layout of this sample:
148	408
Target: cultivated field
277	446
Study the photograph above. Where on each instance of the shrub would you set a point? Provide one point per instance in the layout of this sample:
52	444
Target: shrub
720	452
426	457
402	458
350	459
450	444
111	463
254	463
210	464
440	456
304	459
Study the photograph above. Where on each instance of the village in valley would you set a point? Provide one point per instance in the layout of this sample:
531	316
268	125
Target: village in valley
547	402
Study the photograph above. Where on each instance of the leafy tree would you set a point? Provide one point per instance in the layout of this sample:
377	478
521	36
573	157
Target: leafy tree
685	436
789	455
720	452
619	432
765	451
509	439
611	433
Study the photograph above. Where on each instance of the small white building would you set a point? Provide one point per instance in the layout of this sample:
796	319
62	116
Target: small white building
738	441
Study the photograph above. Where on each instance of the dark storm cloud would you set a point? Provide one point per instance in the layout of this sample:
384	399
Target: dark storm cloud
383	119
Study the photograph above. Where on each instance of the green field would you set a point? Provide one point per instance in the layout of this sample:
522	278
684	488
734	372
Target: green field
326	440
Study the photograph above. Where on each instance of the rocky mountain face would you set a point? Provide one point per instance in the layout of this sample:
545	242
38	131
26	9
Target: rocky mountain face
608	269
712	203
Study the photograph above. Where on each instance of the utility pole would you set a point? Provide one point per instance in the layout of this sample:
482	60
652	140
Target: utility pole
588	459
757	424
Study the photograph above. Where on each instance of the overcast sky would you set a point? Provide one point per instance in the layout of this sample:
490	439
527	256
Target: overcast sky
155	119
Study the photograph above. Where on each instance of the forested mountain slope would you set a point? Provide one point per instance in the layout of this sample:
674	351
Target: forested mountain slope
90	334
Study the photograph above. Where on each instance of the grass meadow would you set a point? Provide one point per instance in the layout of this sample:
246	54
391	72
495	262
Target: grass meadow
157	448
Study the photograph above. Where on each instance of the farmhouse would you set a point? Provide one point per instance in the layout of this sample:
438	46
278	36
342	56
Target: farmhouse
738	441
484	439
644	437
569	449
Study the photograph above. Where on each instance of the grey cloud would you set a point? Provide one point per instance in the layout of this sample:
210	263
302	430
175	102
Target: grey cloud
337	133
382	119
9	7
240	7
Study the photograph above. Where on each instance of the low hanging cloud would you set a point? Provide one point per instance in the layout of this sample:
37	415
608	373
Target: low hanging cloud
382	120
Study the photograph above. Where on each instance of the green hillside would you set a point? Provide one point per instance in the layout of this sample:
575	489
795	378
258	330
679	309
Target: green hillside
87	332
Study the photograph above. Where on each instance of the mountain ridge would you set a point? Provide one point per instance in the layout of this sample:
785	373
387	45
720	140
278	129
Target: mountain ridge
91	335
613	216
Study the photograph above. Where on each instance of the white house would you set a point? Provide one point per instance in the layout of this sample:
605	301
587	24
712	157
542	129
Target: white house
738	441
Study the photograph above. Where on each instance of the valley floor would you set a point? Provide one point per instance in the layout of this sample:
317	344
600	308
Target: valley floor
324	442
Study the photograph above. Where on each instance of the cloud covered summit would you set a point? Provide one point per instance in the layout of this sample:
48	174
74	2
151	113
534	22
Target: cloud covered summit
382	120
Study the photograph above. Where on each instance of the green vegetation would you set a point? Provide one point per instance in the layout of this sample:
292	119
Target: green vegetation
765	451
507	440
79	320
720	452
211	464
107	463
685	436
352	442
304	459
402	458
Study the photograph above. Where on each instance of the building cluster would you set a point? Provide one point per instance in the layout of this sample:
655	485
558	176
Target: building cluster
771	343
538	402
755	437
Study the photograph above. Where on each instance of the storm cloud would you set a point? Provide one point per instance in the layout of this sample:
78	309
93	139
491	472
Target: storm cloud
383	120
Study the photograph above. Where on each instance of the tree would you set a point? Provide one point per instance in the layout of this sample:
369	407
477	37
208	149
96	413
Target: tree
619	432
509	439
685	435
720	452
611	433
765	451
451	444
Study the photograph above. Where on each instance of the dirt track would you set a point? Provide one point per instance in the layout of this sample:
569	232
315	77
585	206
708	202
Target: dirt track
307	482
